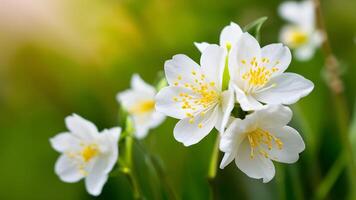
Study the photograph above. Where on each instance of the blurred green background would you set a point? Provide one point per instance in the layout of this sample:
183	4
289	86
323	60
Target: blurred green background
72	56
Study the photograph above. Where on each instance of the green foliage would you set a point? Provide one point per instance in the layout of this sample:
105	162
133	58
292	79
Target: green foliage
254	28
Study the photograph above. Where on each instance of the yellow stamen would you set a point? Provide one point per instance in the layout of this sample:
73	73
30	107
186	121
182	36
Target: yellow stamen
258	138
145	106
89	152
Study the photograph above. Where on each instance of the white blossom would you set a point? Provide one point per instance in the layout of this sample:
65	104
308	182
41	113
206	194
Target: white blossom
195	95
301	34
259	138
258	75
86	153
139	101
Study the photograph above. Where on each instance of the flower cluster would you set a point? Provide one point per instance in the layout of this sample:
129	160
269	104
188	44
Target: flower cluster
235	75
257	83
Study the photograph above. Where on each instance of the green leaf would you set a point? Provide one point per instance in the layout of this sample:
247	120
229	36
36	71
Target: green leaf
254	27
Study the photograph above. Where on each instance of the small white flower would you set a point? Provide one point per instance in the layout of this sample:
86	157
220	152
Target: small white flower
195	95
139	102
86	153
301	34
257	75
261	137
228	37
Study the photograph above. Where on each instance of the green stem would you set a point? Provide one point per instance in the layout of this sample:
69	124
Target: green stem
128	145
331	177
213	165
214	160
133	182
127	164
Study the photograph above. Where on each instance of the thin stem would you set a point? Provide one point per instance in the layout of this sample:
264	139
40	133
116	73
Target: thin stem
335	84
213	165
128	145
126	164
214	160
133	182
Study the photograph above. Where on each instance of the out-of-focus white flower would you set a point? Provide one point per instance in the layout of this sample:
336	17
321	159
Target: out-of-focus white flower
195	95
228	37
86	153
139	101
301	34
257	75
259	138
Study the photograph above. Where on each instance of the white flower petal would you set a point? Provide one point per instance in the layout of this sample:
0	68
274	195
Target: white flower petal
201	46
64	141
114	134
227	159
140	85
212	64
256	167
227	105
247	102
233	136
109	148
288	89
293	144
81	127
305	52
317	38
180	67
272	116
145	122
279	57
301	13
191	133
230	34
244	51
130	98
97	177
166	104
67	169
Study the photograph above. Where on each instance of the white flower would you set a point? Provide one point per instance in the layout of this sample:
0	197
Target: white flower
139	101
301	34
195	95
228	37
257	75
86	153
261	137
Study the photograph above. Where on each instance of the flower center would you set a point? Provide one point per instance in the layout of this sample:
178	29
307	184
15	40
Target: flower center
258	75
297	38
203	95
143	107
89	152
258	138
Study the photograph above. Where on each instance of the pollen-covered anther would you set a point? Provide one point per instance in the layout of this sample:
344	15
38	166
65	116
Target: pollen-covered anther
89	152
260	138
